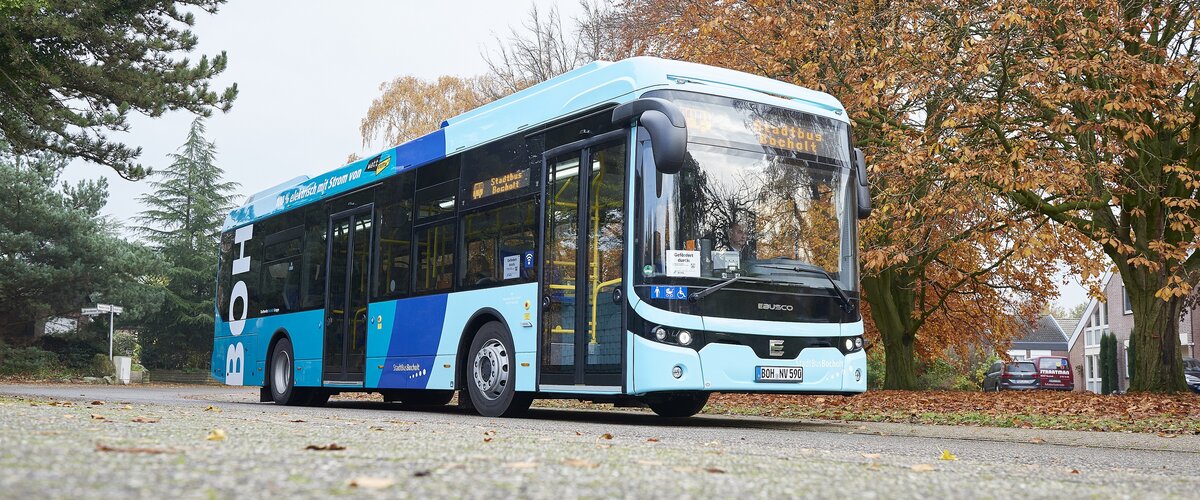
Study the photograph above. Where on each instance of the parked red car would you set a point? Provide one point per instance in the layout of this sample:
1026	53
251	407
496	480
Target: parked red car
1054	372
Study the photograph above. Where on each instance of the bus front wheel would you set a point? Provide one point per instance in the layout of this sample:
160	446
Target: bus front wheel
283	381
677	404
491	373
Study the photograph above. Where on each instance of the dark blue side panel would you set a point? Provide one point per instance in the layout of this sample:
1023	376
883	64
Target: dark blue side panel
424	149
416	333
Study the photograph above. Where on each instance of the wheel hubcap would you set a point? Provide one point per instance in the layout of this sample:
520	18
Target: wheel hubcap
281	373
491	369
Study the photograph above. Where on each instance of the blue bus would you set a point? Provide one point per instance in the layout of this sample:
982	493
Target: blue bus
640	232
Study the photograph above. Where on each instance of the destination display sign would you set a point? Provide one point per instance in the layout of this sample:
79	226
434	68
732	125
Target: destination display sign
501	184
763	126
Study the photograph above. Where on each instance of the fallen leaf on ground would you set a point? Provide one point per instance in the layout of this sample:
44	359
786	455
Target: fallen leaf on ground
946	455
117	449
213	408
97	417
870	455
575	462
371	483
522	465
489	433
97	402
216	435
922	468
296	421
606	436
487	439
126	407
577	433
1168	436
376	428
325	447
714	470
1074	471
652	440
146	420
1037	440
422	473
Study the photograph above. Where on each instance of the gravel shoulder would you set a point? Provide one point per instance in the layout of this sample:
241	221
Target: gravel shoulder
153	442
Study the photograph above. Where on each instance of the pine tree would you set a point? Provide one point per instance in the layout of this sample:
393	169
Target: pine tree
71	71
1108	364
182	221
56	248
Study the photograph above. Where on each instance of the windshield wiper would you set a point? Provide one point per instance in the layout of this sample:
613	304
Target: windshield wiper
808	268
698	296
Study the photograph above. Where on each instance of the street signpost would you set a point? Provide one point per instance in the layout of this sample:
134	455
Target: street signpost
112	312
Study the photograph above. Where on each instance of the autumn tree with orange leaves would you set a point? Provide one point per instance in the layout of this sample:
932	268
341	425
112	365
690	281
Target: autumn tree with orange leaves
411	107
947	262
1091	111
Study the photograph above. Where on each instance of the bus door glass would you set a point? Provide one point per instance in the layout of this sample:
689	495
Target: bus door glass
583	314
350	236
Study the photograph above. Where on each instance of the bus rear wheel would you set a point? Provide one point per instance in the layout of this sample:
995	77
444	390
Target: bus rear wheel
283	381
491	374
677	404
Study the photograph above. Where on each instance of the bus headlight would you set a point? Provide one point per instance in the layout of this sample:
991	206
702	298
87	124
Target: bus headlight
660	333
685	337
849	345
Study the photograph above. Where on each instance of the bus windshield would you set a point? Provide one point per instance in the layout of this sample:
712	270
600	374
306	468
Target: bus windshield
766	194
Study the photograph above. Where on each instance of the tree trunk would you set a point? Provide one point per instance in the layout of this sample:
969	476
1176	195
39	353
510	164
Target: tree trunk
1158	366
900	368
892	300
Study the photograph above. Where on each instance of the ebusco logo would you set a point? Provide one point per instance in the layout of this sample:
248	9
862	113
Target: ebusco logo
235	356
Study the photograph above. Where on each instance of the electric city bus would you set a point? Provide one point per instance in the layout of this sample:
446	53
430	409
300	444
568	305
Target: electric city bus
639	232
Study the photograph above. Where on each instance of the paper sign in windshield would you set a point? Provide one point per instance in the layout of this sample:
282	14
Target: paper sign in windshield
512	267
683	263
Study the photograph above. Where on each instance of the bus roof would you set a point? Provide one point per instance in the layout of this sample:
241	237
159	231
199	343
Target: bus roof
601	82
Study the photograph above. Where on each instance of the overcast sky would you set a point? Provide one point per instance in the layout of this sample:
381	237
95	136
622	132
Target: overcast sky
306	73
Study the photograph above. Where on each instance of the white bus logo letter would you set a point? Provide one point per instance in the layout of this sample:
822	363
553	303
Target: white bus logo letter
235	364
235	357
240	265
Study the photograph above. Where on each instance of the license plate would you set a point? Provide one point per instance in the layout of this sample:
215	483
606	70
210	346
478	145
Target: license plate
778	374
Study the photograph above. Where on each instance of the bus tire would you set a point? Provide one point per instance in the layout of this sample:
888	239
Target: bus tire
282	376
680	404
491	373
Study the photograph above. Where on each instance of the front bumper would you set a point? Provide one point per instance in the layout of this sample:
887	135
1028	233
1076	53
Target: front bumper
730	368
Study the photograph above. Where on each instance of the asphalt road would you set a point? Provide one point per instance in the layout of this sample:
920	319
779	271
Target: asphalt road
153	442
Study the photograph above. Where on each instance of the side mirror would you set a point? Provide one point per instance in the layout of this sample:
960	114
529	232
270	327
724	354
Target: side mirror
666	126
862	187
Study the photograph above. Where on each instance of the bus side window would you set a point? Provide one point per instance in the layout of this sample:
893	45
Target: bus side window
224	275
281	261
393	251
312	282
496	242
435	257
